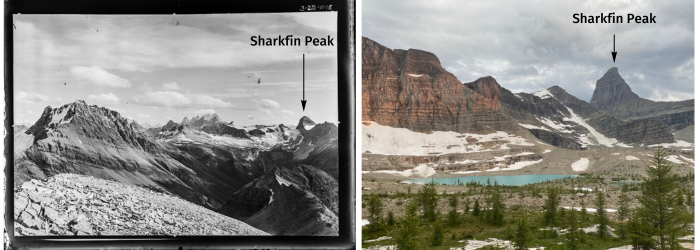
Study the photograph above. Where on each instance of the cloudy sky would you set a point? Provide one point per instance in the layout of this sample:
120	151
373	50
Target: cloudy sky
533	45
156	68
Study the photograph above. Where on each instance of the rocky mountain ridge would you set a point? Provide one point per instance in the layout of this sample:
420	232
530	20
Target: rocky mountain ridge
205	168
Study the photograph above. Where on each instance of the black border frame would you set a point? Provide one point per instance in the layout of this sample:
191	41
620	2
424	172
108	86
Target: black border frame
346	127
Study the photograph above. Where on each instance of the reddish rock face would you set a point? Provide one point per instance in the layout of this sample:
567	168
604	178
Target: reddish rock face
489	88
410	89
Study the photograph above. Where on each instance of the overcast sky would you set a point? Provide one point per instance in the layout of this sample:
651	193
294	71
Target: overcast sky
533	45
156	68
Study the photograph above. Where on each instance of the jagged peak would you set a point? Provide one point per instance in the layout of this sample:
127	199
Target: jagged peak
305	123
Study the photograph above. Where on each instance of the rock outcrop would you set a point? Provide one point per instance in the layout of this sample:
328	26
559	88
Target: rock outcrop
299	200
410	89
68	204
614	96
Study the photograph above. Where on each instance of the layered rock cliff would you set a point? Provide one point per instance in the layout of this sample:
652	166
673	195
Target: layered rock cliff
410	89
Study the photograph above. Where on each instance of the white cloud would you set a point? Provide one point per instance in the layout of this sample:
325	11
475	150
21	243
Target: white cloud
171	86
144	115
151	43
267	103
284	111
98	76
202	111
34	98
173	99
107	98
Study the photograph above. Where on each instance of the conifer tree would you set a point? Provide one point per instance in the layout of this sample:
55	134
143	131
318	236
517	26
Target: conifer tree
658	206
405	234
600	216
375	207
550	207
623	210
522	235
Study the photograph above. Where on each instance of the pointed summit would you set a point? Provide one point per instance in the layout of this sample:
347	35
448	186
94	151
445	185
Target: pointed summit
305	123
611	89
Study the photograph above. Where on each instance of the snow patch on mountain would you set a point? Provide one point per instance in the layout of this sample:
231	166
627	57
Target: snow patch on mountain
678	143
555	125
528	126
600	138
516	166
580	165
422	170
385	140
631	158
543	94
622	145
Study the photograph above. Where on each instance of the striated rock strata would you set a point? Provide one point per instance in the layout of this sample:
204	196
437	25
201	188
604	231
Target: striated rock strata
410	89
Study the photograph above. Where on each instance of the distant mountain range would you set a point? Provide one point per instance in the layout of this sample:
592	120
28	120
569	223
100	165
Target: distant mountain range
204	160
410	89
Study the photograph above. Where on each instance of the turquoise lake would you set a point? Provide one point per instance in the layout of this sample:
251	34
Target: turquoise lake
511	180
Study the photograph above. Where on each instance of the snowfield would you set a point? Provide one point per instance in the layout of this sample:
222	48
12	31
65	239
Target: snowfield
580	165
543	94
422	170
631	158
600	138
385	140
516	166
555	125
678	143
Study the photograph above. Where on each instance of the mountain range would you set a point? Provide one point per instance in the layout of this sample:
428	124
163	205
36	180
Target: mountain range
203	160
409	89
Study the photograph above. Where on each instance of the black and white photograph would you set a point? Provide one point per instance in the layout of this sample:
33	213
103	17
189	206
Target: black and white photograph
175	125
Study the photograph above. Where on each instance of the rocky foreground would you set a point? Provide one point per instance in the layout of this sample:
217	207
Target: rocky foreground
69	204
